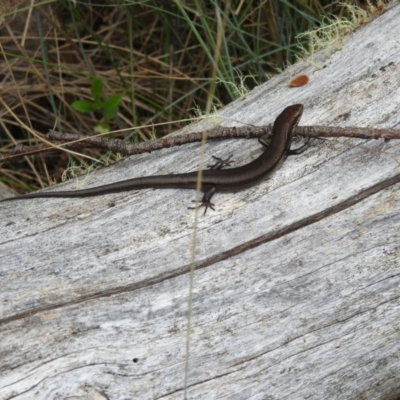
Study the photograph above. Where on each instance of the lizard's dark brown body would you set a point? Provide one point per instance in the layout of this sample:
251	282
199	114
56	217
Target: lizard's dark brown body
223	180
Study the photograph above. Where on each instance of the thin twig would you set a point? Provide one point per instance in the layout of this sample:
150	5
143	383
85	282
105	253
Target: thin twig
74	141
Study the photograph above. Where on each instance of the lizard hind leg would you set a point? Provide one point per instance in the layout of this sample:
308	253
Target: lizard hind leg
206	200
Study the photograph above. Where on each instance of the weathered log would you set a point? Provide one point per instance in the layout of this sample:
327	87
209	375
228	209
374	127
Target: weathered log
297	287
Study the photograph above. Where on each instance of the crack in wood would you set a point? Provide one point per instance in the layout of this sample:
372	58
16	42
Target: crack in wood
349	202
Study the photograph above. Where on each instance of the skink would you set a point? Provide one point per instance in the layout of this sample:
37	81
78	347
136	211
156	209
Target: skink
222	180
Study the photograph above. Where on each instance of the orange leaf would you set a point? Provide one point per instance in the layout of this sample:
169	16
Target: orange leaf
300	80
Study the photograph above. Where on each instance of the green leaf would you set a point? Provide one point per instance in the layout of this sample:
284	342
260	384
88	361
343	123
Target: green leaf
86	106
102	127
97	89
111	106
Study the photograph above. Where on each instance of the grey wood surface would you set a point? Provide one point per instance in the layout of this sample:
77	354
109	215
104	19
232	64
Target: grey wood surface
296	291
